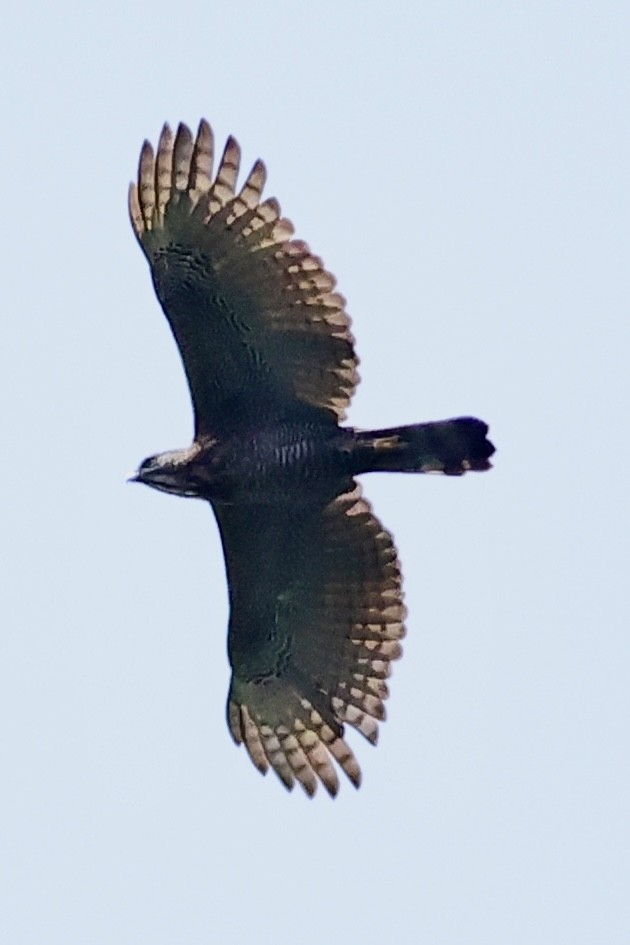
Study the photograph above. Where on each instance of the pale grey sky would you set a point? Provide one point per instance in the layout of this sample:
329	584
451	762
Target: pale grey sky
463	170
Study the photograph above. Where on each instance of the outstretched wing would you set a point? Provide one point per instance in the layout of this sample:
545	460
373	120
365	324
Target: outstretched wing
258	325
316	618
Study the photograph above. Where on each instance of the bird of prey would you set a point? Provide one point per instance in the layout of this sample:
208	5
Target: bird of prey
316	602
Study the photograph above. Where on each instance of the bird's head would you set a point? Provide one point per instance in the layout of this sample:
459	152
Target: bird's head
169	472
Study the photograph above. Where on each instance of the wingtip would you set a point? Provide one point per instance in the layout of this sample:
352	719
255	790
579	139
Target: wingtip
204	129
166	136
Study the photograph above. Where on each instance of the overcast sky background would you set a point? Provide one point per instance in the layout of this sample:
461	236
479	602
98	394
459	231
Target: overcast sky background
463	170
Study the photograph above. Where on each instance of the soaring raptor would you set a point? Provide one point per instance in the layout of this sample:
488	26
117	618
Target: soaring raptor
316	601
